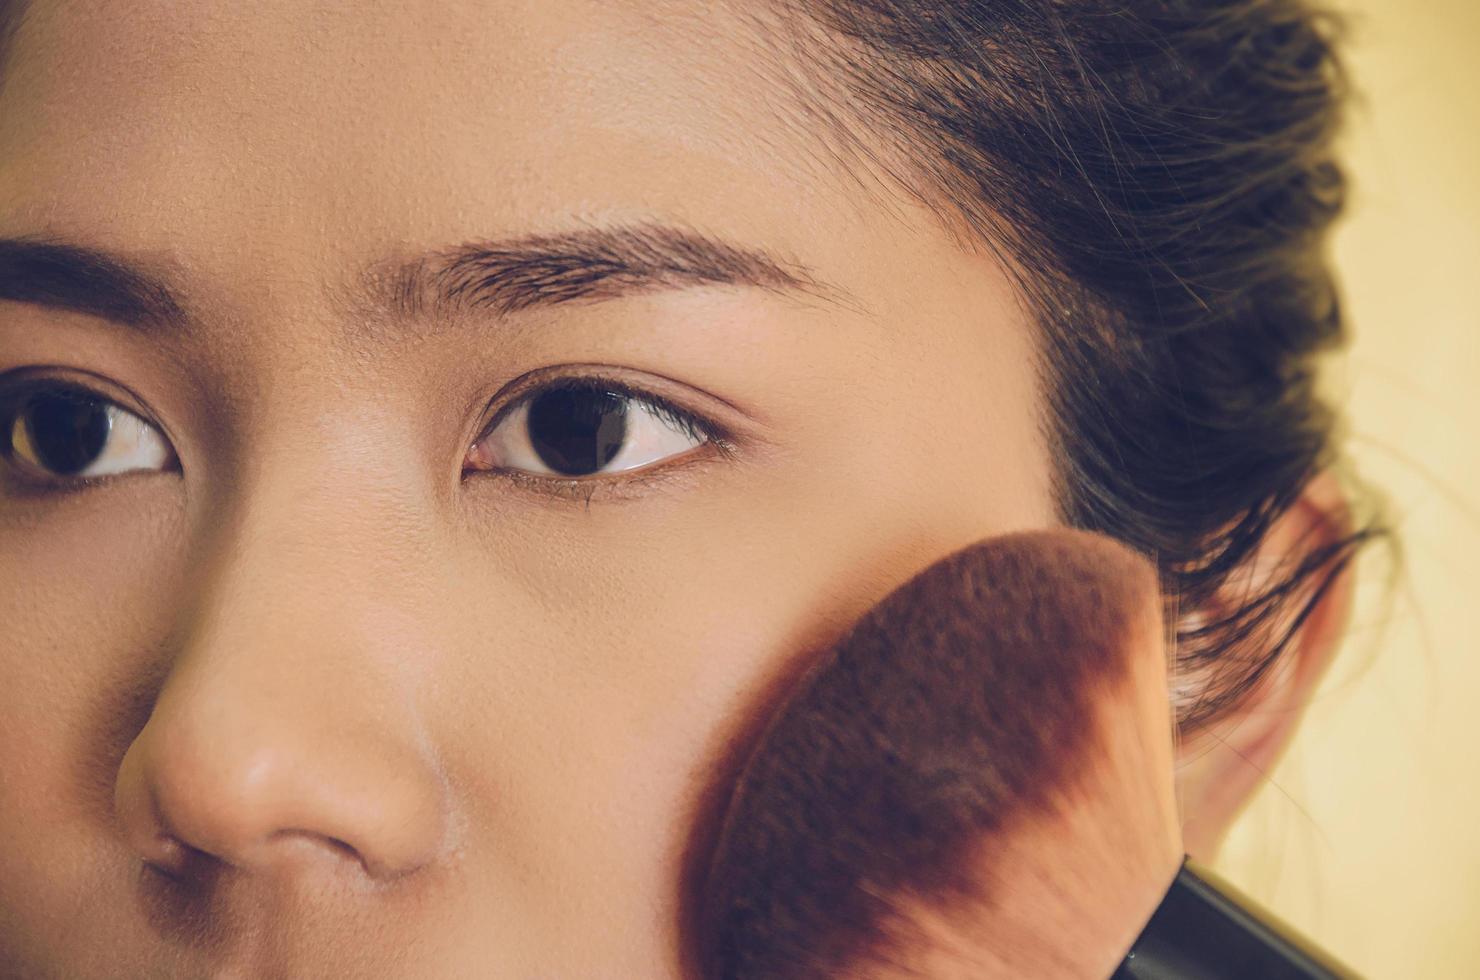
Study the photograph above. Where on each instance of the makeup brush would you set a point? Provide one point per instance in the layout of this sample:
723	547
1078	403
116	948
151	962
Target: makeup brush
976	781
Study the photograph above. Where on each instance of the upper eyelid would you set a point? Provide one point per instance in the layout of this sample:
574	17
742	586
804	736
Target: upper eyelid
526	392
99	388
12	391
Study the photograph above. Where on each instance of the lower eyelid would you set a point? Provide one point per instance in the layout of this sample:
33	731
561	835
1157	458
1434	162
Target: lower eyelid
641	482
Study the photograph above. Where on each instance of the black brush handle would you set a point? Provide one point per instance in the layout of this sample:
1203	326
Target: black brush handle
1205	929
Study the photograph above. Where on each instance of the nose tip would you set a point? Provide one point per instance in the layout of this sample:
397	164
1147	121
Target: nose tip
190	799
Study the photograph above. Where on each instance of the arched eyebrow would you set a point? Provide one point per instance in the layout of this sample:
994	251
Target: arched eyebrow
500	276
74	277
586	264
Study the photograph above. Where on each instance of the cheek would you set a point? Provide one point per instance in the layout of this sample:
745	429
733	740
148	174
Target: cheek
84	598
88	587
627	653
602	682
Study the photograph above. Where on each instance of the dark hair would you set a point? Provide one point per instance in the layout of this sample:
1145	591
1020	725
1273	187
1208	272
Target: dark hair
1158	177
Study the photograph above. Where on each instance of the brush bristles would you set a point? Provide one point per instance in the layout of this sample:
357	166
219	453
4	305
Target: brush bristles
961	711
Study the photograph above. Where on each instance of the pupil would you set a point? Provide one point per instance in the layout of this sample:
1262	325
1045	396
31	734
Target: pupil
66	431
576	431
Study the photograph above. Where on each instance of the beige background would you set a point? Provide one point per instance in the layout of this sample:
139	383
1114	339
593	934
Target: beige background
1367	836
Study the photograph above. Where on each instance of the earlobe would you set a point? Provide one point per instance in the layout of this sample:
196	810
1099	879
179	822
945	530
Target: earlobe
1221	768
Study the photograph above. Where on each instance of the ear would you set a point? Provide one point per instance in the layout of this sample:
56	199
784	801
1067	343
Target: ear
1219	770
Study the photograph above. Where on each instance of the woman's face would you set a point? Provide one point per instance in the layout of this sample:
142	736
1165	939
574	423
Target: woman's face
408	704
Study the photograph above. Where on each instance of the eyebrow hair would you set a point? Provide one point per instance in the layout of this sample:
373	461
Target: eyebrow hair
595	263
67	276
503	276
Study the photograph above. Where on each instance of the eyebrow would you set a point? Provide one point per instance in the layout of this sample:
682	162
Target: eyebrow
503	276
68	276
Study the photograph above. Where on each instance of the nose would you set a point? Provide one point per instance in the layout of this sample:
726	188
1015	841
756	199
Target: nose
222	780
287	736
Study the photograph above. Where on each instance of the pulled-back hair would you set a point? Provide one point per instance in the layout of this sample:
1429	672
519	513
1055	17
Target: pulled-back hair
1158	178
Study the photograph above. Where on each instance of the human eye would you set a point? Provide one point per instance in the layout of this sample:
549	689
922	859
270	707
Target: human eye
568	437
57	437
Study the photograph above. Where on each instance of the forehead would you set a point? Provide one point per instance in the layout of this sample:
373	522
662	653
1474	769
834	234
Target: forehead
302	124
524	68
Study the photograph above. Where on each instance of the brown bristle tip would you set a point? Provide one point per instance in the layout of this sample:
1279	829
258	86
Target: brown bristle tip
954	704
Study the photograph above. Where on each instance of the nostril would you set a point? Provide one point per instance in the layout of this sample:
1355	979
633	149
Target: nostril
305	843
338	844
177	860
351	853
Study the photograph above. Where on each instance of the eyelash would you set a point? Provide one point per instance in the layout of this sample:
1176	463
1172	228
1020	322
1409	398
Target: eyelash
637	482
631	486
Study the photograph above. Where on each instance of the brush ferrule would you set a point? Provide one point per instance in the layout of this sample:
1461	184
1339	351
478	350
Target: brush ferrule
1205	929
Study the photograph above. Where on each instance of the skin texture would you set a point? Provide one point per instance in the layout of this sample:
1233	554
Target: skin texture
314	702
